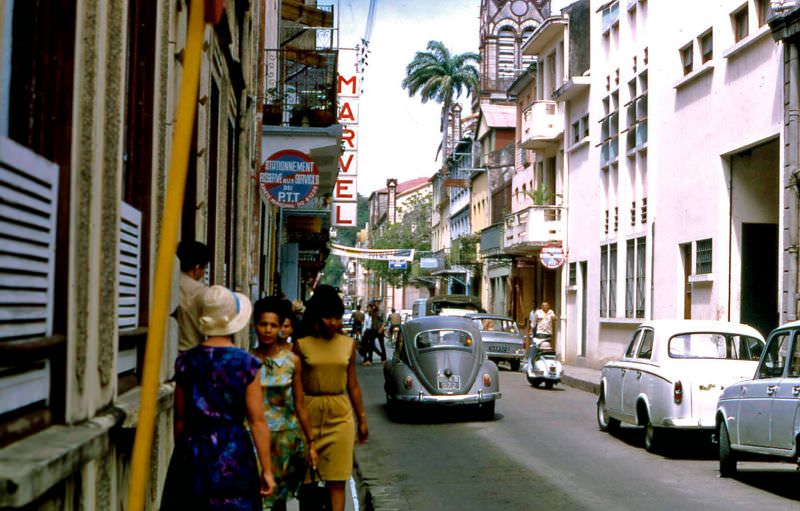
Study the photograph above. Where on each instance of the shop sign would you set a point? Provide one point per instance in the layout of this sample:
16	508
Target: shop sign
552	256
288	179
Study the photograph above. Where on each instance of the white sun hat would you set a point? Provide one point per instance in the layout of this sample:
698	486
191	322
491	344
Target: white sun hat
222	311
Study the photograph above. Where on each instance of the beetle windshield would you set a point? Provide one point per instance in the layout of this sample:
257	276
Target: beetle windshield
496	325
431	339
715	345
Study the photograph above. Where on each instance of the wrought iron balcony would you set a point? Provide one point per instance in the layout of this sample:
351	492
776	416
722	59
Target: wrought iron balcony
529	229
301	88
542	125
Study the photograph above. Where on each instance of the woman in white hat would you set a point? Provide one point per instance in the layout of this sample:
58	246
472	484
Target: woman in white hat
213	465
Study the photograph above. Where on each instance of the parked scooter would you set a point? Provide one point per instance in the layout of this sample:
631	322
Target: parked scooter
542	364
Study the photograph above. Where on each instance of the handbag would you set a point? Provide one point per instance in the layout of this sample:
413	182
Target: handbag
314	495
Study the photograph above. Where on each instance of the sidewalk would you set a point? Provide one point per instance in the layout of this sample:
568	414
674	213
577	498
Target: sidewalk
582	378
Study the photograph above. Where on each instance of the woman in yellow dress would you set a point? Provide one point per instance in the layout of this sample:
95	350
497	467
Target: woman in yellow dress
331	388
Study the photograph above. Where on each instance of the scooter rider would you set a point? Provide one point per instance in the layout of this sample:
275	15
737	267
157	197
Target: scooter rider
541	323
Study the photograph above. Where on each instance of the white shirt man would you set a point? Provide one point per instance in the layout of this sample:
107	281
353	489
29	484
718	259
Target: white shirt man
541	321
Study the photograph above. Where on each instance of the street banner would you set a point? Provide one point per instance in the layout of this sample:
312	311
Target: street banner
374	254
394	264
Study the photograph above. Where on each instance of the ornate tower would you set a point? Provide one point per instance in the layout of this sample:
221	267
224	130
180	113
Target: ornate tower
505	24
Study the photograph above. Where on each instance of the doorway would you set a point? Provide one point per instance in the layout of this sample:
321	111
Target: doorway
759	305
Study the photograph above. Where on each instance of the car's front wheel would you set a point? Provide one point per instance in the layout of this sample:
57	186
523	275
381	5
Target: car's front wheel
727	458
604	422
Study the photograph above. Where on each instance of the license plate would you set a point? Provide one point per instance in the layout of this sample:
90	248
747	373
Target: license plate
500	349
450	384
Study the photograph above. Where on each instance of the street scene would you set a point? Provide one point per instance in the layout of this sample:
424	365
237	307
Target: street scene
399	254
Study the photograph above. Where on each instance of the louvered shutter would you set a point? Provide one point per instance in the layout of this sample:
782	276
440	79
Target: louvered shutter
28	208
28	205
130	242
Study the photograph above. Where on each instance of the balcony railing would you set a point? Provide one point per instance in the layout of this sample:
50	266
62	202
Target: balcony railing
301	88
500	84
533	227
492	240
502	157
541	125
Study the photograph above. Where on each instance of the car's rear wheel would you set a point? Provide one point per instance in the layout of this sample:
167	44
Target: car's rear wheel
652	437
604	422
514	365
727	458
548	384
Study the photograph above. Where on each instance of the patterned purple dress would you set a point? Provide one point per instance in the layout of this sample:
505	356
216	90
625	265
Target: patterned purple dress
213	466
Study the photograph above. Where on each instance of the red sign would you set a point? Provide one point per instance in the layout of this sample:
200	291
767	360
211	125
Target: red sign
288	179
552	256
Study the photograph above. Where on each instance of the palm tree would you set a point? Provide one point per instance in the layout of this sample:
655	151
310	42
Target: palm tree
442	77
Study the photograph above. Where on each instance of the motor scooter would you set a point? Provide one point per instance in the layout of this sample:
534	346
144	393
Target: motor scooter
542	364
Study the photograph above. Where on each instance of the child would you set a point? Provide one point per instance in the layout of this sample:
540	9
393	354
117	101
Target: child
284	402
213	465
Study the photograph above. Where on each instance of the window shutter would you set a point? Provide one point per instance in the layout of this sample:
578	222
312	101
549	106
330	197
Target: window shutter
28	208
130	241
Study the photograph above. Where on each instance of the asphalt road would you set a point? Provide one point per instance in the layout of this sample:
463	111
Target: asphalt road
543	451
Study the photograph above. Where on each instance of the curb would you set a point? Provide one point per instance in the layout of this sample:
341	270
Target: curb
579	384
373	495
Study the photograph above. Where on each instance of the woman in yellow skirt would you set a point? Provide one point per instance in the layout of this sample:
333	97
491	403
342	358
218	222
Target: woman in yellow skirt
333	396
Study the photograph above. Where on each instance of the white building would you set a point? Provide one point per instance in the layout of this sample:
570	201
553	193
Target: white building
673	197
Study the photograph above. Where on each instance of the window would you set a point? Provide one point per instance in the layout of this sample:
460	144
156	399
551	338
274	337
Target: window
646	347
774	360
443	339
573	278
687	58
706	46
506	48
637	335
608	279
585	124
609	129
741	24
714	345
762	12
703	257
580	129
635	264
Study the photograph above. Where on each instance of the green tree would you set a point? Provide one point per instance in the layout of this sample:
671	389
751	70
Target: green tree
413	231
438	75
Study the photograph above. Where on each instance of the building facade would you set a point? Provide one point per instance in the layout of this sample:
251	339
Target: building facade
83	184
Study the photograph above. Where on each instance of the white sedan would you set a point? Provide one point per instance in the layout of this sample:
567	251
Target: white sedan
672	373
762	415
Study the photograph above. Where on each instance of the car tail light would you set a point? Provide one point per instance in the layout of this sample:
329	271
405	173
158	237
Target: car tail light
408	382
487	380
677	392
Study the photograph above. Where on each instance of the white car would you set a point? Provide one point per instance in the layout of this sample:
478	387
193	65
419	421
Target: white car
672	373
762	415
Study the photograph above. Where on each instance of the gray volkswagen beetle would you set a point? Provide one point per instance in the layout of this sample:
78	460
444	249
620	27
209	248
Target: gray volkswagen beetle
440	360
501	338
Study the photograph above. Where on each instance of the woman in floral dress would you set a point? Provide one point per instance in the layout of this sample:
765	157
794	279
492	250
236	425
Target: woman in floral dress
283	402
213	465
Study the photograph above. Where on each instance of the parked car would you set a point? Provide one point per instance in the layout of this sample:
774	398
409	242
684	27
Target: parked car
501	337
441	360
672	373
762	415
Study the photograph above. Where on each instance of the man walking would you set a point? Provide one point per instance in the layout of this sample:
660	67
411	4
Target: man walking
194	258
358	324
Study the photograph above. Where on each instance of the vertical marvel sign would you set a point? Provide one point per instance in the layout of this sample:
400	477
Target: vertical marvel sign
345	194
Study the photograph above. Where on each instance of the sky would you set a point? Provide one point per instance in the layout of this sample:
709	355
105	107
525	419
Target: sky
398	135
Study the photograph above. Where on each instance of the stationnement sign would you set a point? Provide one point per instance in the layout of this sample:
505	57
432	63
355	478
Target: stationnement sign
552	256
288	179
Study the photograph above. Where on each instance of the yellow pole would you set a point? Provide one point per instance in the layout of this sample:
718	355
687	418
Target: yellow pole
176	182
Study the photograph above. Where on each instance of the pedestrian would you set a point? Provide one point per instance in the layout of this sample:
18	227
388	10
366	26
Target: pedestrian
358	323
333	396
288	325
379	325
284	403
394	321
367	344
213	465
542	322
194	258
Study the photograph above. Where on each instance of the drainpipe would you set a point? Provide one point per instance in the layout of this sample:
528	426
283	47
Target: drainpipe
731	164
790	181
